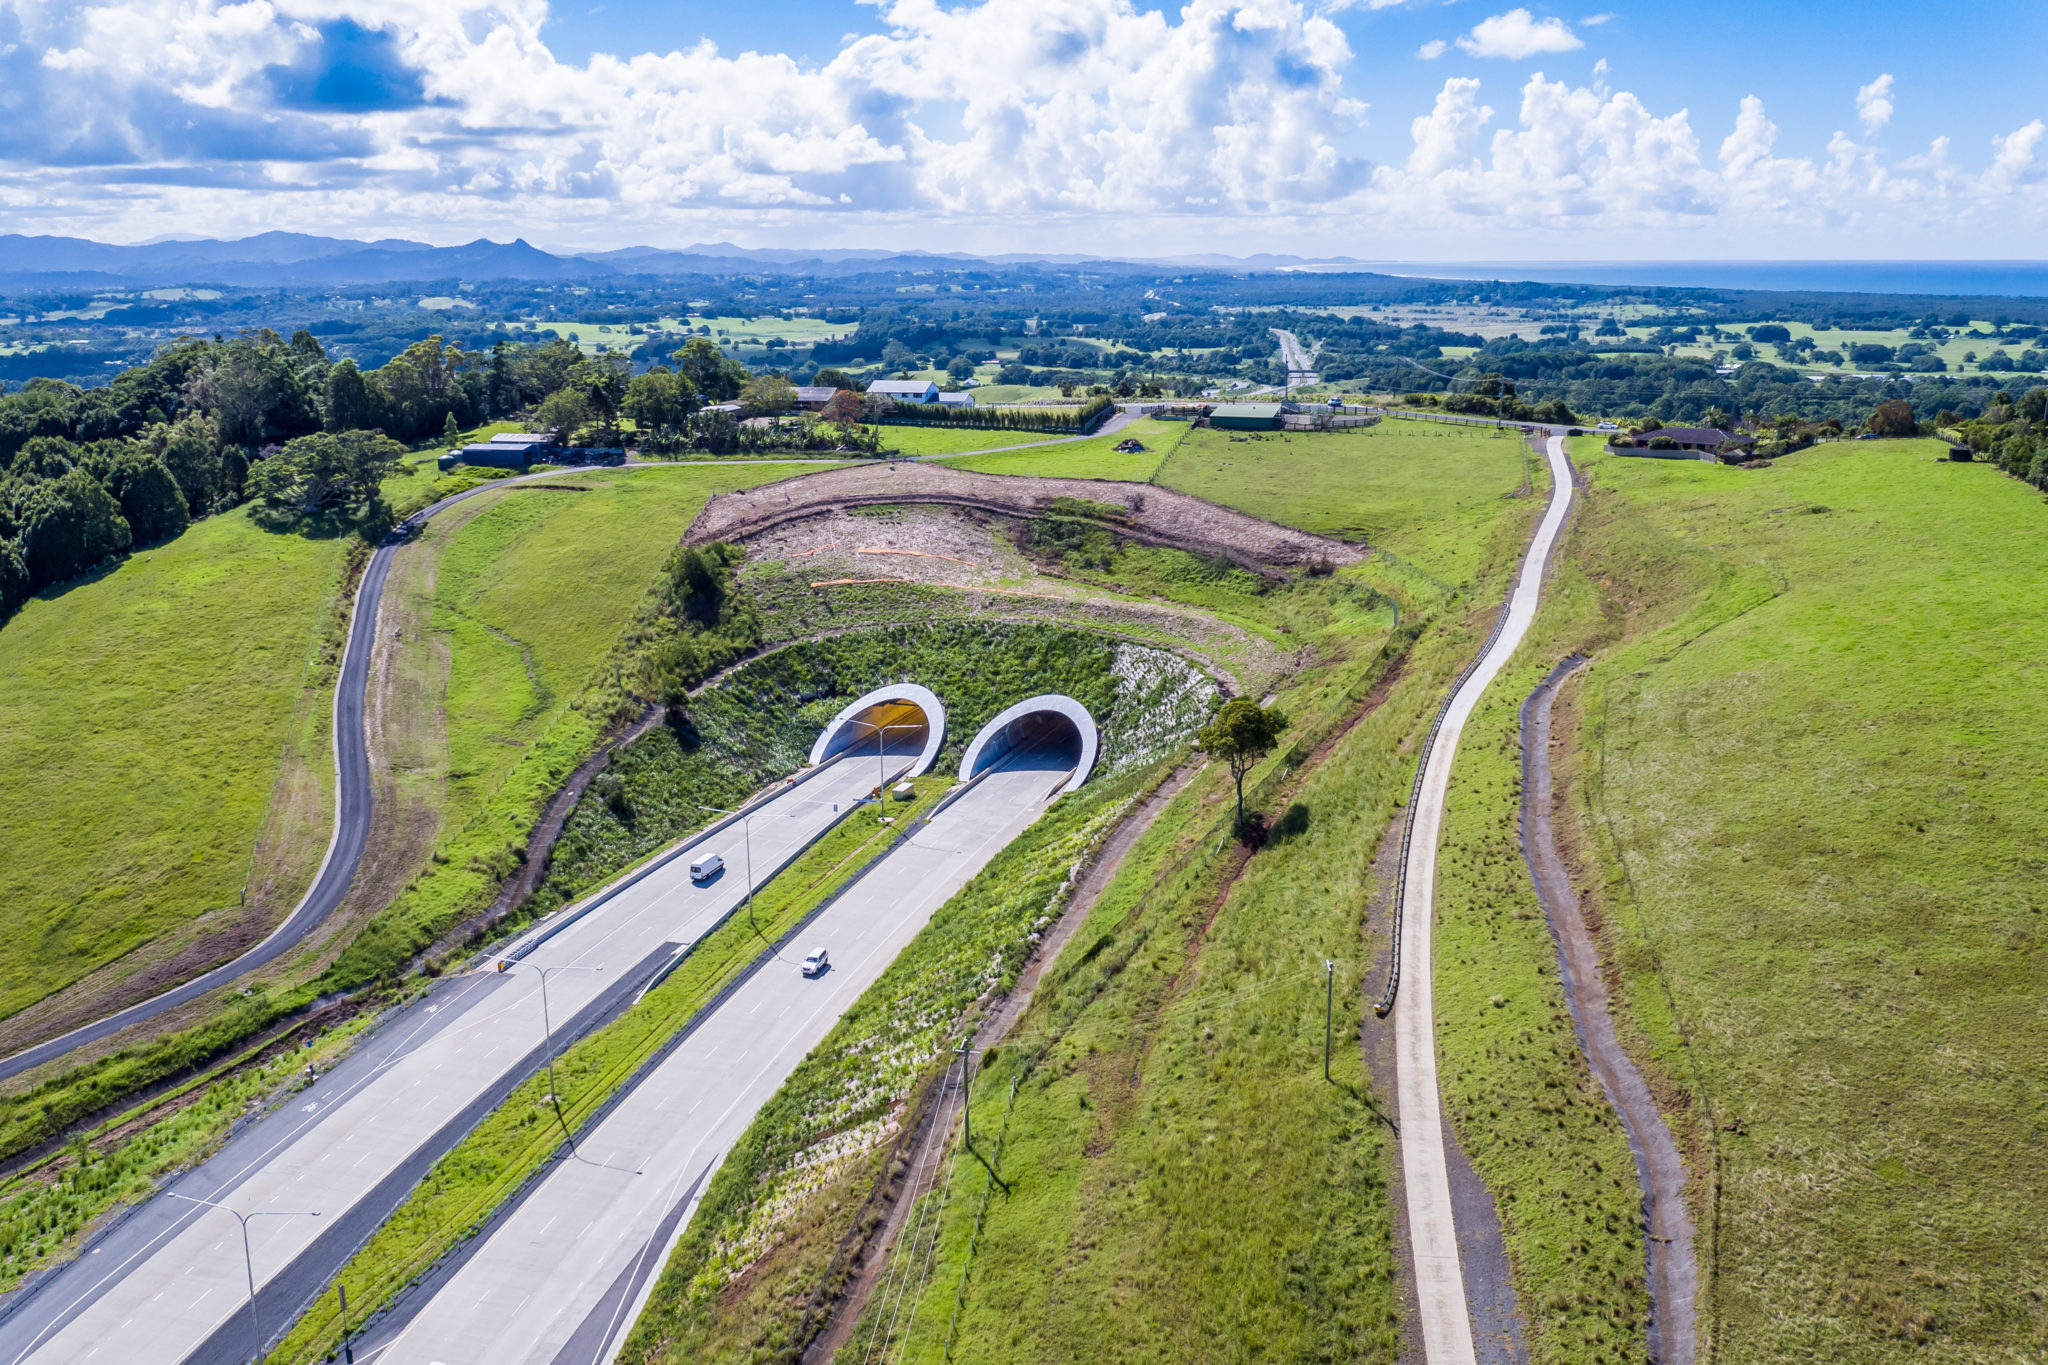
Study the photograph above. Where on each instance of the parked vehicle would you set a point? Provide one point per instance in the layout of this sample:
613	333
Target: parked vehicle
706	867
818	963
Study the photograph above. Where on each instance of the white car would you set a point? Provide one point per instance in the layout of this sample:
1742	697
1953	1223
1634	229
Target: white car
818	963
1608	426
704	869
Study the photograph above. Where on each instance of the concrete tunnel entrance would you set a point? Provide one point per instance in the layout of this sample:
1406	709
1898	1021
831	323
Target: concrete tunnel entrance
1050	732
905	719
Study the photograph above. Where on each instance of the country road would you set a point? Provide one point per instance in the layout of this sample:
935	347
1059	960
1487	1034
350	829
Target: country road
1444	1322
167	1282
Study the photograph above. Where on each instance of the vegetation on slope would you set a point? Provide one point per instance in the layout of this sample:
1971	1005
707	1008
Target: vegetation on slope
143	721
1814	837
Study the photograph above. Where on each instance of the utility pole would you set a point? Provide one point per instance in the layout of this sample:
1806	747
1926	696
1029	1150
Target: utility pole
966	1095
547	1029
348	1352
1329	1002
881	766
746	819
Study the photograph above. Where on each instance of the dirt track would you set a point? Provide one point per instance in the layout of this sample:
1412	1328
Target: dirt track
1155	515
1674	1271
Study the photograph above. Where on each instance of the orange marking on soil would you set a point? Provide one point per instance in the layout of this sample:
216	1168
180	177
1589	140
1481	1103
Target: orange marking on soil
815	548
848	582
919	554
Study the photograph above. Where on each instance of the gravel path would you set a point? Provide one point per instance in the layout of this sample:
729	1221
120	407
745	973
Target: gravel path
1674	1272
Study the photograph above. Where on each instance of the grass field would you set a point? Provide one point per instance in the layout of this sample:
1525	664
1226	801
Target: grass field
1816	833
147	709
956	440
1093	458
1421	490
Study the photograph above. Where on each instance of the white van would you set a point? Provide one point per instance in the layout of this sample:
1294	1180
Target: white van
706	867
818	963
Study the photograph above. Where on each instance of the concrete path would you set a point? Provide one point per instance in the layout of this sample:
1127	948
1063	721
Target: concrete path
1445	1323
564	1275
168	1284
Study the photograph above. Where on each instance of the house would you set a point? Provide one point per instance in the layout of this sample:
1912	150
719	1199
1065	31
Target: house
906	390
814	397
1683	443
956	400
1246	416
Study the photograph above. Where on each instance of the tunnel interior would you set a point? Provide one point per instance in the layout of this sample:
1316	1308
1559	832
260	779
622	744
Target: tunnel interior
1049	733
1039	740
901	726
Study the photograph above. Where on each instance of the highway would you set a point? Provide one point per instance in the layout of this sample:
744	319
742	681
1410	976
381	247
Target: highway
167	1284
1444	1322
351	808
563	1275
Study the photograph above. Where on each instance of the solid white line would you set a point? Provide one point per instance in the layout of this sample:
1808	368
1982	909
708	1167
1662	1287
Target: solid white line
1432	1227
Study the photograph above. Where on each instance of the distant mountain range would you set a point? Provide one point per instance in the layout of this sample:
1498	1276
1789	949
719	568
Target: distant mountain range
297	259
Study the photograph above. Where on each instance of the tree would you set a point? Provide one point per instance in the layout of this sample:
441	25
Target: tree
842	407
1242	733
768	394
69	525
14	584
151	502
352	402
451	430
326	470
191	451
960	368
602	382
833	379
660	401
1894	418
563	413
711	372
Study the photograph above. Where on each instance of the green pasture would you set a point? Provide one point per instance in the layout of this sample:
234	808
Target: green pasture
143	722
1812	767
1422	490
1092	457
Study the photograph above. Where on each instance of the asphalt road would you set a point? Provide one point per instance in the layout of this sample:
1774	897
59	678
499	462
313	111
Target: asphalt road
1299	370
1445	1323
168	1283
351	810
561	1278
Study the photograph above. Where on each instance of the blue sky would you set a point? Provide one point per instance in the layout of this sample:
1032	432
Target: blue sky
1381	129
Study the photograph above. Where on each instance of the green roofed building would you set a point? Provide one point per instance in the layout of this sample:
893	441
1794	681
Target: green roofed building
1246	416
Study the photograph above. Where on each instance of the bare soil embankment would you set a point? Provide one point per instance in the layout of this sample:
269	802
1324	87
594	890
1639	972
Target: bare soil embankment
1150	514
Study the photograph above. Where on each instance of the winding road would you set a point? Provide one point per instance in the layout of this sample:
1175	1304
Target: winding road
351	807
1446	1324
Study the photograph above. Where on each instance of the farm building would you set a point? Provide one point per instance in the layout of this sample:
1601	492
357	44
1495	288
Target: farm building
814	397
507	450
1246	416
906	390
956	400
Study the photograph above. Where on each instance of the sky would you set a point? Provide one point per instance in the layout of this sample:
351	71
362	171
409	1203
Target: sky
1383	130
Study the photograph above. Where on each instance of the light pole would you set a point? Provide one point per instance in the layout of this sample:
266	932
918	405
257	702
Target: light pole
1329	1001
248	1261
506	964
881	778
746	818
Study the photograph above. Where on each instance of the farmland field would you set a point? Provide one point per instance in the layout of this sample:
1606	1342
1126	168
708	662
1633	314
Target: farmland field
1418	489
1812	777
1093	458
151	706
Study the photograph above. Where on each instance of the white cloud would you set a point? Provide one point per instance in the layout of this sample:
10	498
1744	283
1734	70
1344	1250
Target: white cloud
1874	103
1517	35
1098	125
1432	49
1595	20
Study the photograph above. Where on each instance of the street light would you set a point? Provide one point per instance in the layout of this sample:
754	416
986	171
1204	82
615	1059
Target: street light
881	778
746	819
248	1262
506	964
